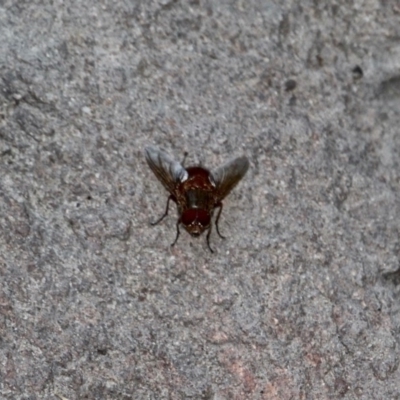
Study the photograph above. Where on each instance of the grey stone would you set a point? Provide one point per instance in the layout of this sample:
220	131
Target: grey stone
301	301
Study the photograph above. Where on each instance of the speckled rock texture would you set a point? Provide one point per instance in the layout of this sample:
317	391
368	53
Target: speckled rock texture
301	301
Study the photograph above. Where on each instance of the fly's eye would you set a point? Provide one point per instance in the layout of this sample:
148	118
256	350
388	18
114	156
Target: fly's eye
195	215
189	216
203	217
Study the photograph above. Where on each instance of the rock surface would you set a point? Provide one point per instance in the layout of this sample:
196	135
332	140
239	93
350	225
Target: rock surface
301	301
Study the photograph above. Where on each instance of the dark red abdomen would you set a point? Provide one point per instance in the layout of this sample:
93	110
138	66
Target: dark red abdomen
199	176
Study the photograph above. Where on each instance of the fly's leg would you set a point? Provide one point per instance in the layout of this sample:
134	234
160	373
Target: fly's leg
219	205
208	239
166	211
177	232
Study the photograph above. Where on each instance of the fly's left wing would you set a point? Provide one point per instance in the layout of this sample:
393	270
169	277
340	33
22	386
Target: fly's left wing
228	175
168	171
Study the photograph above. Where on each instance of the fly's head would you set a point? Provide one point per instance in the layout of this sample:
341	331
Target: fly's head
196	221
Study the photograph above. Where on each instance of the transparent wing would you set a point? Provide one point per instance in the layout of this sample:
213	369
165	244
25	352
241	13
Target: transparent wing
228	175
168	171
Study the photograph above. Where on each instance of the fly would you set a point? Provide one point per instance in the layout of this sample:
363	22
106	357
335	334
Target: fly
196	191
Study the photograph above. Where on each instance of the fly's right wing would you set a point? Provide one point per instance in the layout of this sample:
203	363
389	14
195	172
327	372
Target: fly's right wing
228	175
168	171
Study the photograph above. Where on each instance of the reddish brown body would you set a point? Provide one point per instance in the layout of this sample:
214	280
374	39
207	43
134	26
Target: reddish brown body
195	190
196	200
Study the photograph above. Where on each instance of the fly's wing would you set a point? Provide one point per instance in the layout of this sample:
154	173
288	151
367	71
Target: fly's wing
228	175
168	171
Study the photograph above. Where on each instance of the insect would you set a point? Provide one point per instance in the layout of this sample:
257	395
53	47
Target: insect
196	191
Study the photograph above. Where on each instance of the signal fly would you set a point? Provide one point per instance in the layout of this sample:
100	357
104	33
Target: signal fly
196	191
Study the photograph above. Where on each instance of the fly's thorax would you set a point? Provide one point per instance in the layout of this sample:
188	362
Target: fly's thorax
195	220
198	198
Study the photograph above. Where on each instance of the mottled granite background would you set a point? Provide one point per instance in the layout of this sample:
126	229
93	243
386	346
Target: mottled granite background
301	301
